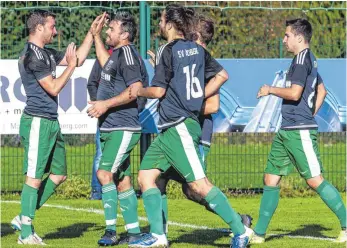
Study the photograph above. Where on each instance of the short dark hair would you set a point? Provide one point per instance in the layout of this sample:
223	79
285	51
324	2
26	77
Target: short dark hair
182	18
205	26
37	17
128	23
301	26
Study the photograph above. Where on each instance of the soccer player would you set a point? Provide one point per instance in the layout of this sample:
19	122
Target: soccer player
204	31
44	149
296	141
119	124
92	86
182	67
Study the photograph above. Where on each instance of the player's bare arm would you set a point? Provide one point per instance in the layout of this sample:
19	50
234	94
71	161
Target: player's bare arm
54	86
292	93
149	92
96	28
99	108
83	51
215	83
211	105
321	93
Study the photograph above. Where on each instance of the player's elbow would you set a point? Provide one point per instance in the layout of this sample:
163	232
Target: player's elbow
224	75
159	92
296	96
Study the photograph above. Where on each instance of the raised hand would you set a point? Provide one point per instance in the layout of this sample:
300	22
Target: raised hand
71	57
98	23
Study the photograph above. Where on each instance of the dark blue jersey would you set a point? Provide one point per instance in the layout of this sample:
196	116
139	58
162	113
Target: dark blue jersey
303	71
35	64
123	68
182	67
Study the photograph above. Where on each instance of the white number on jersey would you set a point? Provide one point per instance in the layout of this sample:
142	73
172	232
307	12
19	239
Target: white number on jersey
192	83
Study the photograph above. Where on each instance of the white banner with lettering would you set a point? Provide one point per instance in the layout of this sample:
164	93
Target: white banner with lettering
73	100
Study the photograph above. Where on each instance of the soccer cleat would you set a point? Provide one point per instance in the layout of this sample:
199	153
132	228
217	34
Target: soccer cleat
246	221
129	238
257	239
30	240
95	195
150	240
242	240
342	237
108	239
16	224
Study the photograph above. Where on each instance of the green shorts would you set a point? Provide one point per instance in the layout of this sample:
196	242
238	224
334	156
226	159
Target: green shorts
178	147
116	147
297	148
44	147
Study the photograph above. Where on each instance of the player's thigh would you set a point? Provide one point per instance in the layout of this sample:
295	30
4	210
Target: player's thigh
38	140
278	162
58	164
181	146
302	146
116	148
155	157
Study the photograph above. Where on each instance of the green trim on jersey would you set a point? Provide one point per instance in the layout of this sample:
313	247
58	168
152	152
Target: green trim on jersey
44	147
297	148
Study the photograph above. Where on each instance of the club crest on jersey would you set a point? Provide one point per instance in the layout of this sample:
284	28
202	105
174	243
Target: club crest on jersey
315	64
108	65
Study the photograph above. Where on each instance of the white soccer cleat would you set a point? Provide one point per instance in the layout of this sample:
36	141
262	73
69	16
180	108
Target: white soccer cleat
150	240
30	240
256	239
16	224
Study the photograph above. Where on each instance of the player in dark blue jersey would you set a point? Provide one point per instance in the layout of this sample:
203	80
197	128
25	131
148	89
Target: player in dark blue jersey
44	148
296	142
92	86
204	31
182	67
119	124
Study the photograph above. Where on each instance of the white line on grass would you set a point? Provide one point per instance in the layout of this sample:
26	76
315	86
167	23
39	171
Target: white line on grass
98	211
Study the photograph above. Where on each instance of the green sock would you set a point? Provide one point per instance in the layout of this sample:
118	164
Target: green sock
128	207
28	208
221	206
268	205
109	201
165	212
333	200
153	206
46	189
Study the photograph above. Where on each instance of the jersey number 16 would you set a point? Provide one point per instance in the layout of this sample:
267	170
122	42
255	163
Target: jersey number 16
193	86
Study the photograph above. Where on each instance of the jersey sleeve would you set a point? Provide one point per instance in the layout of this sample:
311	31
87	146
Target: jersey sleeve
58	55
93	80
319	79
129	66
163	71
300	74
38	66
212	67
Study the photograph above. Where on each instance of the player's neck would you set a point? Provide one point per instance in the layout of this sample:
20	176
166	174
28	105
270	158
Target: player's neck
122	43
36	40
174	36
301	48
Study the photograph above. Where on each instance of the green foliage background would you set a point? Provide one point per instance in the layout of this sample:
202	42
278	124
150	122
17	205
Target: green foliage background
251	29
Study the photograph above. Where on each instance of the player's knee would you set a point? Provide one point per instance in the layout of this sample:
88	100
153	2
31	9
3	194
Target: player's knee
271	180
105	177
315	181
201	187
124	184
33	182
57	179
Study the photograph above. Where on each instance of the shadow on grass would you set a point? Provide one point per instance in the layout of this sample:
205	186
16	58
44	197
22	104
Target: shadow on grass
200	237
6	229
313	230
73	231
